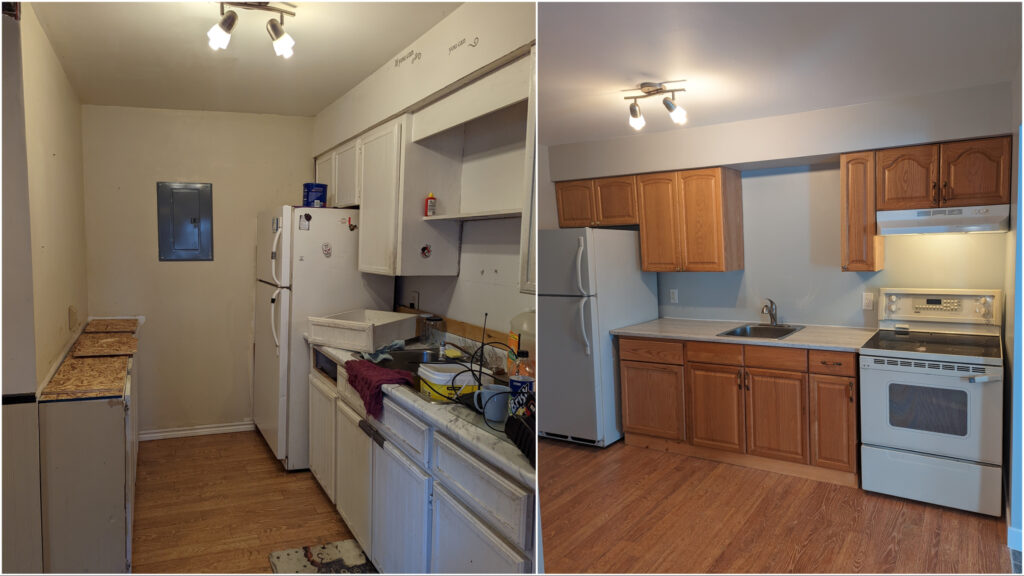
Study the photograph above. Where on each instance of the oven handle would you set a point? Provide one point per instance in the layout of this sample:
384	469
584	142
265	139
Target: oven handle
980	379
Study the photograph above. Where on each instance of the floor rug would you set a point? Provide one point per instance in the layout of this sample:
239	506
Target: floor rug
344	557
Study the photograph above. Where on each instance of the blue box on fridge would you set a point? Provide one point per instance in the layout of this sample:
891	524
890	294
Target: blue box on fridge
314	195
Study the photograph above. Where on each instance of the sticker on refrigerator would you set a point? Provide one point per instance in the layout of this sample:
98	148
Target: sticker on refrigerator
326	248
304	221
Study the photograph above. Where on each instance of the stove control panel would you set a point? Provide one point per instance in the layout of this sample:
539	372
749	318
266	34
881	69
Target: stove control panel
937	307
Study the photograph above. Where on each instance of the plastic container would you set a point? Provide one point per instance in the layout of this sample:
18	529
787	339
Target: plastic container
442	377
361	330
314	195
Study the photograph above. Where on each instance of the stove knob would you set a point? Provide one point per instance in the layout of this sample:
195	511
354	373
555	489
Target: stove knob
892	298
892	307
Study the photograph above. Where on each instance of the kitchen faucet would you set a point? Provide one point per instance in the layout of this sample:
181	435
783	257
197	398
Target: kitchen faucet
769	309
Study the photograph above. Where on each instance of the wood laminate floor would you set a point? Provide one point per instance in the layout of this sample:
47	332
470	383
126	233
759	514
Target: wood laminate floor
631	509
223	503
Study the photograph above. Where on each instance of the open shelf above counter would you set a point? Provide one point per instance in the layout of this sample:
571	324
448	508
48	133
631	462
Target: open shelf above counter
484	215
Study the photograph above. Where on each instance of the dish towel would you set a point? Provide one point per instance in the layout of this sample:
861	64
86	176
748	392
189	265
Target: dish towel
367	378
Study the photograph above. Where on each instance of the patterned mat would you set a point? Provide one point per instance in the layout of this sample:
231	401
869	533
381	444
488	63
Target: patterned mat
345	557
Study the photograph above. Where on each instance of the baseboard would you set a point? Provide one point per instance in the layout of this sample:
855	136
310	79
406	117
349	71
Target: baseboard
243	426
1013	537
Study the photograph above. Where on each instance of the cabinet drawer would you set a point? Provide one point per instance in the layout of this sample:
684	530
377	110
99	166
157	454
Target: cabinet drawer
645	350
507	507
714	353
831	362
776	357
407	431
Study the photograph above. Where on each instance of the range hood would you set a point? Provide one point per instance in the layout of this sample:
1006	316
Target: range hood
994	218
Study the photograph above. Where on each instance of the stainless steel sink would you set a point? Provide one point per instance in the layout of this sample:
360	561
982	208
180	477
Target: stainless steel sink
409	360
775	332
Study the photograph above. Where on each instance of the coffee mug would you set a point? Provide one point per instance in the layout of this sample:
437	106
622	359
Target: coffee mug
492	400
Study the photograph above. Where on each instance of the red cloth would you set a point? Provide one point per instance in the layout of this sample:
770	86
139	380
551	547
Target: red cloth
367	378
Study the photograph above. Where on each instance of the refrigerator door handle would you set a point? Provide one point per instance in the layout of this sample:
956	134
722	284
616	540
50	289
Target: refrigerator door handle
273	258
583	324
579	266
273	326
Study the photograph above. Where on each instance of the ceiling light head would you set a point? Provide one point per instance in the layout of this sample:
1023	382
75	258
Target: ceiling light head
283	42
636	117
220	34
675	112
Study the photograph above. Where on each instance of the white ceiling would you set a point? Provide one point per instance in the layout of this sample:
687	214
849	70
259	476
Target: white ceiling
744	61
155	54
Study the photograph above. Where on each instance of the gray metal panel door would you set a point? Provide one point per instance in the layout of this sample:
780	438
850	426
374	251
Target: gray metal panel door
185	220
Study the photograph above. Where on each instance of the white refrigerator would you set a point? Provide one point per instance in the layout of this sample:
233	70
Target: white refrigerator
589	282
306	265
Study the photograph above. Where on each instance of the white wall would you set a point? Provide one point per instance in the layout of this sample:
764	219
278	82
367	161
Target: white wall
547	217
56	201
500	29
791	243
488	279
196	345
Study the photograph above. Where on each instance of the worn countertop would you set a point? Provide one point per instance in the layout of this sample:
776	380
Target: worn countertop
105	344
87	378
457	422
838	338
112	325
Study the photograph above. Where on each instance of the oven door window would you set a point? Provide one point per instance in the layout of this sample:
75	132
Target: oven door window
929	409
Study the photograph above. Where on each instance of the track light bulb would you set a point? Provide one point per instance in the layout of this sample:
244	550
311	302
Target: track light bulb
636	117
283	42
220	34
677	114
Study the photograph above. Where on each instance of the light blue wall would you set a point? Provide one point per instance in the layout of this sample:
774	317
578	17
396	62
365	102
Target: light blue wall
1015	494
791	244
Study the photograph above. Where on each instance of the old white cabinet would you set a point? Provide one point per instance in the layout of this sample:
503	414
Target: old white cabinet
354	476
88	452
401	512
322	398
528	236
463	544
339	169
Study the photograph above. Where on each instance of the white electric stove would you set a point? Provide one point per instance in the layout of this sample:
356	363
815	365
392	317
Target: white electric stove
932	398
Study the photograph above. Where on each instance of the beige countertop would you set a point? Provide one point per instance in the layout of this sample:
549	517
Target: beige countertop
838	338
105	344
84	378
112	325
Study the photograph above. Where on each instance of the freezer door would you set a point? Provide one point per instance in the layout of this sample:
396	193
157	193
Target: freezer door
270	366
564	263
570	395
273	246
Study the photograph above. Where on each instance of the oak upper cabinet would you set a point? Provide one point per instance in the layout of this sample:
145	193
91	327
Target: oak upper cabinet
712	204
907	177
661	240
776	409
975	172
615	201
575	203
715	406
834	422
862	249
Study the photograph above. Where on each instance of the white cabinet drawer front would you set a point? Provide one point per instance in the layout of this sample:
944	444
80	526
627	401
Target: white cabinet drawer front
463	545
408	431
506	506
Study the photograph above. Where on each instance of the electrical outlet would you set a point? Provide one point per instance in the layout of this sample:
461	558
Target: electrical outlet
673	296
868	301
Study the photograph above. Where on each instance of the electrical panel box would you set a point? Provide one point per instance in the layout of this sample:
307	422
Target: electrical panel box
185	220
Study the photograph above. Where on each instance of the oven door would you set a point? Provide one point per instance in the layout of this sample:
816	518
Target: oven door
932	408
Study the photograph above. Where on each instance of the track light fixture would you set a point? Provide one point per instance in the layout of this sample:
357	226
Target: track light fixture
648	89
220	33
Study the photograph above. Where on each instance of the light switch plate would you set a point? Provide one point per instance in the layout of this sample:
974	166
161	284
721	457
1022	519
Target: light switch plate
868	301
673	296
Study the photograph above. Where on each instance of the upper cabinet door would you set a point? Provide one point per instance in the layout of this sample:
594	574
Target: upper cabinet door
325	174
379	157
575	204
712	220
661	243
861	249
346	180
976	172
907	178
615	201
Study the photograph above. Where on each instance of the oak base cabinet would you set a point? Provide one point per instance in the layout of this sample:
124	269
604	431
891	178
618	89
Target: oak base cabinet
776	405
834	422
715	395
652	399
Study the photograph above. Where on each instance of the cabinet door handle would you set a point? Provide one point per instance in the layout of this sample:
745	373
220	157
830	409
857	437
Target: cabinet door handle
851	391
945	191
828	363
935	192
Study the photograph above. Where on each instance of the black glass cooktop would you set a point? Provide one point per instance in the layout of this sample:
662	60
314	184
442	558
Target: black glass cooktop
936	343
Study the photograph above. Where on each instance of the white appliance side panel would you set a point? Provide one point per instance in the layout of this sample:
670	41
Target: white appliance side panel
942	481
323	285
556	262
270	369
626	296
570	391
265	245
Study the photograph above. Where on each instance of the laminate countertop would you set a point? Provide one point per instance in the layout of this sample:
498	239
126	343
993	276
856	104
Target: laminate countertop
105	344
839	338
87	378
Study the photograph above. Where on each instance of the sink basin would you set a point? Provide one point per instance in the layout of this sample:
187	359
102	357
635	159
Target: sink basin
762	331
409	360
